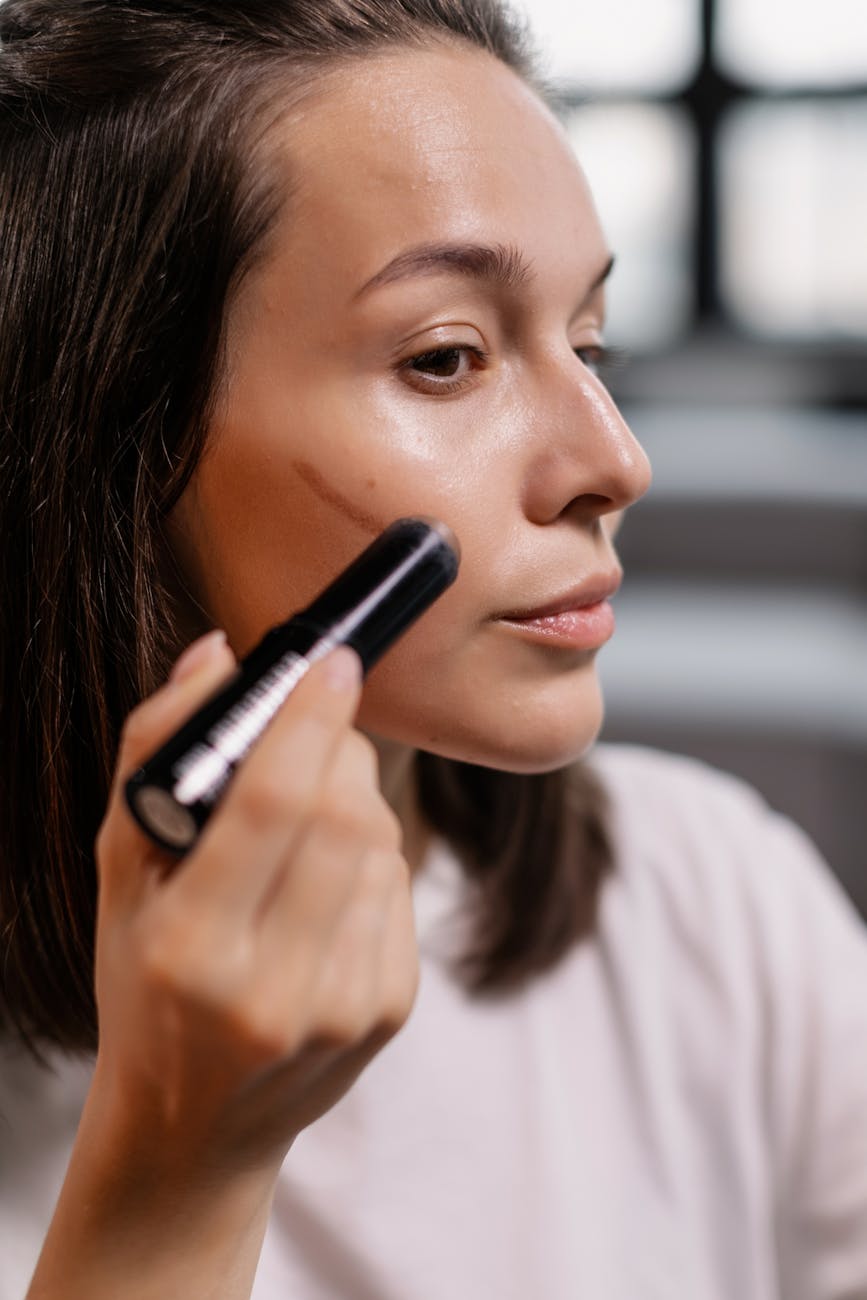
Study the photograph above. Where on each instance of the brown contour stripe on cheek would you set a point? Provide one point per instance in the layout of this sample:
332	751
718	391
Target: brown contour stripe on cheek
328	493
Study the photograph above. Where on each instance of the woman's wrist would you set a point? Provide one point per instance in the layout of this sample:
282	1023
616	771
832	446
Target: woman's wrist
138	1219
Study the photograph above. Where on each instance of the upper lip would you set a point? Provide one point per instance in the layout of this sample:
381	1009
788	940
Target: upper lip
591	591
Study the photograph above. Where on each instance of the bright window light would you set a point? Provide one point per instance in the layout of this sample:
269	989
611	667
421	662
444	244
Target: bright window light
636	46
639	160
793	42
793	214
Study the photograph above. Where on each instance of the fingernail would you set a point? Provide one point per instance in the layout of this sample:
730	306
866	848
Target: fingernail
343	669
197	655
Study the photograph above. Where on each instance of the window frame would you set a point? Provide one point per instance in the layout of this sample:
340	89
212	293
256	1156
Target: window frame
825	371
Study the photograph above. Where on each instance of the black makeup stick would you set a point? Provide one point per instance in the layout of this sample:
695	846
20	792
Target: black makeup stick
367	607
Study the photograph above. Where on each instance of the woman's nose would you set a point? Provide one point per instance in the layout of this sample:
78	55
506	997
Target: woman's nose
587	460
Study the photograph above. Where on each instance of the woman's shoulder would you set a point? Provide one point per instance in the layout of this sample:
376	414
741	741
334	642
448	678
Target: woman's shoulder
731	894
680	815
646	785
726	914
728	873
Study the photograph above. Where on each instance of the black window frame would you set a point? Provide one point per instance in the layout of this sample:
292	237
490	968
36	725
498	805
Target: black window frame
719	358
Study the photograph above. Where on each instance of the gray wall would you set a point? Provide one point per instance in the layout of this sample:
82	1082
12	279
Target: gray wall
742	622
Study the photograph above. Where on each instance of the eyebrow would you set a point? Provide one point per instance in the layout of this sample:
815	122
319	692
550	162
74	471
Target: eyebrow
497	264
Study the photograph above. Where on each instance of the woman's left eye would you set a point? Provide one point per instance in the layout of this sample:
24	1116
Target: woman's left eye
444	363
443	369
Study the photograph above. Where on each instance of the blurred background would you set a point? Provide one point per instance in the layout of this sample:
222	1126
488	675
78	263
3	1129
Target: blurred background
726	144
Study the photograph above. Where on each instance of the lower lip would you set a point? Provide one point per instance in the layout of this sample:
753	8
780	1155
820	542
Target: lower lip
583	629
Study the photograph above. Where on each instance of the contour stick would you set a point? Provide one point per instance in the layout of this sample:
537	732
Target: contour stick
367	607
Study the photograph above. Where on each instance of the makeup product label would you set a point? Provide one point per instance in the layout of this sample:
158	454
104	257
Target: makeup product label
203	772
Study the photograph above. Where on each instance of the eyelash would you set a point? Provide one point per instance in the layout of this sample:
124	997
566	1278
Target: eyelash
596	357
601	359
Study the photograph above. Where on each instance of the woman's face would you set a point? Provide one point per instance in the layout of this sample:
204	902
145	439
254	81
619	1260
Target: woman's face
367	382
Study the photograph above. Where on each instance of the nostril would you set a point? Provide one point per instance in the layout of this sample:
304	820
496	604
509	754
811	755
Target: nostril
597	503
590	508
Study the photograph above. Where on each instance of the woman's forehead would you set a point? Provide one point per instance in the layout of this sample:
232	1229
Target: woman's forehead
420	146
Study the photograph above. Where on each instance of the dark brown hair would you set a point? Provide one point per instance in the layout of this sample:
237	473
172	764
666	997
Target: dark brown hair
129	213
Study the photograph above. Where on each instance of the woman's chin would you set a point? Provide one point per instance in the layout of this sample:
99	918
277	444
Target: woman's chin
535	742
547	757
528	726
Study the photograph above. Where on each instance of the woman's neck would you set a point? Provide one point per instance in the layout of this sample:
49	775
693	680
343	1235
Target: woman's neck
397	776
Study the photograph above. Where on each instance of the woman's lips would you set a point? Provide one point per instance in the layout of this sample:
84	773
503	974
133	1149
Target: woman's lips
586	628
581	617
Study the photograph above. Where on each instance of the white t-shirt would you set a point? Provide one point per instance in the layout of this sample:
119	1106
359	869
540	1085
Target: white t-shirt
678	1111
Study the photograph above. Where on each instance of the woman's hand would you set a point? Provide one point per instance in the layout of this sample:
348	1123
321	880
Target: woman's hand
240	993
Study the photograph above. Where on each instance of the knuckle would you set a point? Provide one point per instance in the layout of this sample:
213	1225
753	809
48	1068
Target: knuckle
394	1012
390	1021
399	874
357	814
301	733
376	873
347	811
268	1034
339	1028
269	797
363	755
391	830
396	1009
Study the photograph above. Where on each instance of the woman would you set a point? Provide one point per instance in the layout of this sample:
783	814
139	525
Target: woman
528	1019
